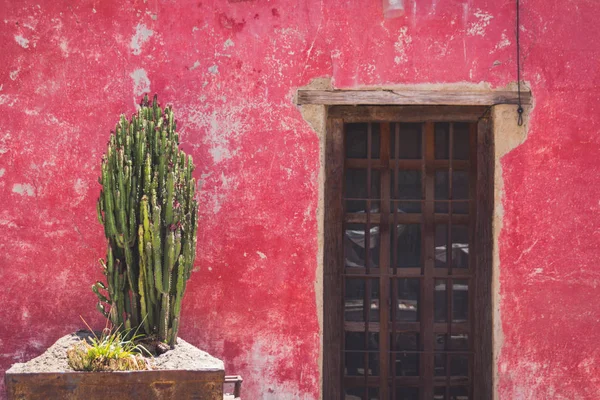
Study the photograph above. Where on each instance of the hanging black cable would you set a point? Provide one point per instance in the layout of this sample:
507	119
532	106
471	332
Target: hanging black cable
520	107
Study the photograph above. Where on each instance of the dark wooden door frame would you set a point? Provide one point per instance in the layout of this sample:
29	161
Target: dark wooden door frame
333	313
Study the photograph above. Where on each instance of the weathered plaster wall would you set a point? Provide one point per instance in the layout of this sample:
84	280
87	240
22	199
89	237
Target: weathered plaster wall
68	69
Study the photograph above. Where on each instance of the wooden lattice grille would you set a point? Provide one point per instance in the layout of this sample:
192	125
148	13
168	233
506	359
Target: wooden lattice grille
408	207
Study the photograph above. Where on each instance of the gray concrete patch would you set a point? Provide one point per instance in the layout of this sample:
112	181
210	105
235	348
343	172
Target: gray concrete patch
183	357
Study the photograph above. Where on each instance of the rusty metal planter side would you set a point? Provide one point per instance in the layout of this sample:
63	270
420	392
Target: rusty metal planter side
157	384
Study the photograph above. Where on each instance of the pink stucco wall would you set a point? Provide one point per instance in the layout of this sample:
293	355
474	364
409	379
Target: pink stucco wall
68	69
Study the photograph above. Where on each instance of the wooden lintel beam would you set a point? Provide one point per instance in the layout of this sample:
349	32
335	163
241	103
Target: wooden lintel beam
411	97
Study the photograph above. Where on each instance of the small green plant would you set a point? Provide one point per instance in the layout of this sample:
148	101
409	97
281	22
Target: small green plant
149	213
112	351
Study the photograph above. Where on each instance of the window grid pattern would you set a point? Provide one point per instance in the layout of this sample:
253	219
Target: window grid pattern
408	271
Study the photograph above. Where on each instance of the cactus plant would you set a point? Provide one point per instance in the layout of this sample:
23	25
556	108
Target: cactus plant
149	213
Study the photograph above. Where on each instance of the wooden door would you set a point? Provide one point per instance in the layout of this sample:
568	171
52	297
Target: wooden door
403	303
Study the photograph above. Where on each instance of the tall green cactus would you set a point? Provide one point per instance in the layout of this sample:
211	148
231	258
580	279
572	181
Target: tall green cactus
149	214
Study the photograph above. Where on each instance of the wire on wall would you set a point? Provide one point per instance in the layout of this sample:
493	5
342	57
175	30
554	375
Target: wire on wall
520	107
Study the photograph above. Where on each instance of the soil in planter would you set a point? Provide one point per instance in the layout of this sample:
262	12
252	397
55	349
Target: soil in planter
183	357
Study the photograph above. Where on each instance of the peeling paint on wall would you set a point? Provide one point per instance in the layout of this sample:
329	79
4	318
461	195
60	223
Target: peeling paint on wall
24	43
401	45
141	36
479	27
14	74
24	189
228	43
141	83
64	47
196	65
504	42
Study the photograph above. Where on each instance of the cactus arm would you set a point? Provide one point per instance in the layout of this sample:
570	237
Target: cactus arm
96	289
128	312
162	150
157	250
132	202
108	202
99	209
178	297
142	281
132	280
168	262
177	243
164	318
150	278
120	213
169	200
100	307
145	251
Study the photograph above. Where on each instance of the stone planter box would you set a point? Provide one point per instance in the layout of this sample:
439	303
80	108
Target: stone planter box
183	373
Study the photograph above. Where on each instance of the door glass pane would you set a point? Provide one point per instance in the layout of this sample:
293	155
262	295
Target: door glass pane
407	304
442	140
405	342
357	341
409	185
356	249
410	143
373	363
356	191
374	301
459	393
357	349
355	394
354	300
407	246
460	246
442	185
439	393
354	363
440	364
460	185
460	207
408	188
356	140
373	393
360	351
440	356
460	300
442	194
440	242
404	357
405	207
440	301
460	143
406	364
441	342
407	393
459	341
459	365
460	191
